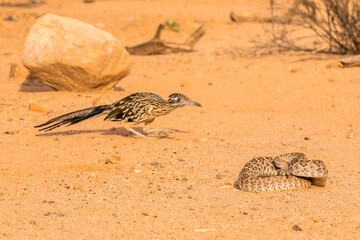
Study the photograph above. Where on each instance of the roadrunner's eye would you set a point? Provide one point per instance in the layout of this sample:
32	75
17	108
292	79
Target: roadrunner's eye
176	99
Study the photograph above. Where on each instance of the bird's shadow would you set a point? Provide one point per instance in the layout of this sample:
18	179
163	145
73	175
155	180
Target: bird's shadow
111	131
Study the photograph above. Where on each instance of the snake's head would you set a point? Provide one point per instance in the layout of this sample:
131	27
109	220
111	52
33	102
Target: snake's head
281	166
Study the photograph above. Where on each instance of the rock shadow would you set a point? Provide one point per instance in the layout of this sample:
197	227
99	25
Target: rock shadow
33	85
28	4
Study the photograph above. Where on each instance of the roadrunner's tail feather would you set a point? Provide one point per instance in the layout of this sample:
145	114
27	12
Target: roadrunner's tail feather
74	117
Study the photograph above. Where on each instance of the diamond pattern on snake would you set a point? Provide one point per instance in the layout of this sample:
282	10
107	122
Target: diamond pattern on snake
283	172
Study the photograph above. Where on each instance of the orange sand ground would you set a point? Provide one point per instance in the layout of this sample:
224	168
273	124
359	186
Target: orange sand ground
58	185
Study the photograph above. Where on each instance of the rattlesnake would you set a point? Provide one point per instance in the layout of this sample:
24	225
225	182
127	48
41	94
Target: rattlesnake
284	172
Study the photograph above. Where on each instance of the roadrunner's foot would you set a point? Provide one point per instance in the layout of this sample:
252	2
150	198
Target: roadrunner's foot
162	133
164	130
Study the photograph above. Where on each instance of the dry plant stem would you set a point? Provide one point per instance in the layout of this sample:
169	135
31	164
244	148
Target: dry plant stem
159	46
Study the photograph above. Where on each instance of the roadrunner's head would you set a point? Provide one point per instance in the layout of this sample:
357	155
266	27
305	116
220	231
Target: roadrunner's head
180	100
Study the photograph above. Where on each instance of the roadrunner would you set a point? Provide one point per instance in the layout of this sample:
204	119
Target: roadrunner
133	109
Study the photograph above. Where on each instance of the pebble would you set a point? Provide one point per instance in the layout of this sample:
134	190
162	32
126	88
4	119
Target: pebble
296	228
185	84
18	71
36	107
350	134
92	176
113	160
21	193
53	214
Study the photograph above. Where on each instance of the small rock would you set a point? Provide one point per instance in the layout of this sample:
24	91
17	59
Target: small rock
185	84
156	164
11	132
219	176
21	193
71	55
293	70
92	176
350	134
10	19
296	228
352	61
18	71
306	138
113	160
53	214
36	107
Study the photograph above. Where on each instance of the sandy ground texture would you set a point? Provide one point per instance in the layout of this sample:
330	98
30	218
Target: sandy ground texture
94	180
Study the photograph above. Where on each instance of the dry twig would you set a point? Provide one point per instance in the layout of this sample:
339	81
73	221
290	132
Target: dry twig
159	46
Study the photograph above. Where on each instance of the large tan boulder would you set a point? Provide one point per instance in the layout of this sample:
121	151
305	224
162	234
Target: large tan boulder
68	54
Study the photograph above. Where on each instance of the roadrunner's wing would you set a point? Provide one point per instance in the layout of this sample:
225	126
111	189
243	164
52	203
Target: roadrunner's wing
130	114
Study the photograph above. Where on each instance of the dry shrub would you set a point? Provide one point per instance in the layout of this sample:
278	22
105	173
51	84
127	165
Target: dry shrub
335	23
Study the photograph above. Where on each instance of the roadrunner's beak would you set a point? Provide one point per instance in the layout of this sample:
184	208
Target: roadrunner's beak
192	103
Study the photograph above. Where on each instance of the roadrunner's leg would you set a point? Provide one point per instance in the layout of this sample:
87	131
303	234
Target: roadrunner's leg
128	127
136	132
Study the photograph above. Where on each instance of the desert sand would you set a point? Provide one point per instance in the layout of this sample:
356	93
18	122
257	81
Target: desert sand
94	180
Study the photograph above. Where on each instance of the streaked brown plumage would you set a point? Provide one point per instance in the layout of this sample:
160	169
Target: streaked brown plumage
136	108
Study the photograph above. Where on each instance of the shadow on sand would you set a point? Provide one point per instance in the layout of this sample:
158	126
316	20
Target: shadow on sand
33	85
112	131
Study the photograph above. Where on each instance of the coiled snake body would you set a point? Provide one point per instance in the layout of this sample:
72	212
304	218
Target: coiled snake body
284	172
